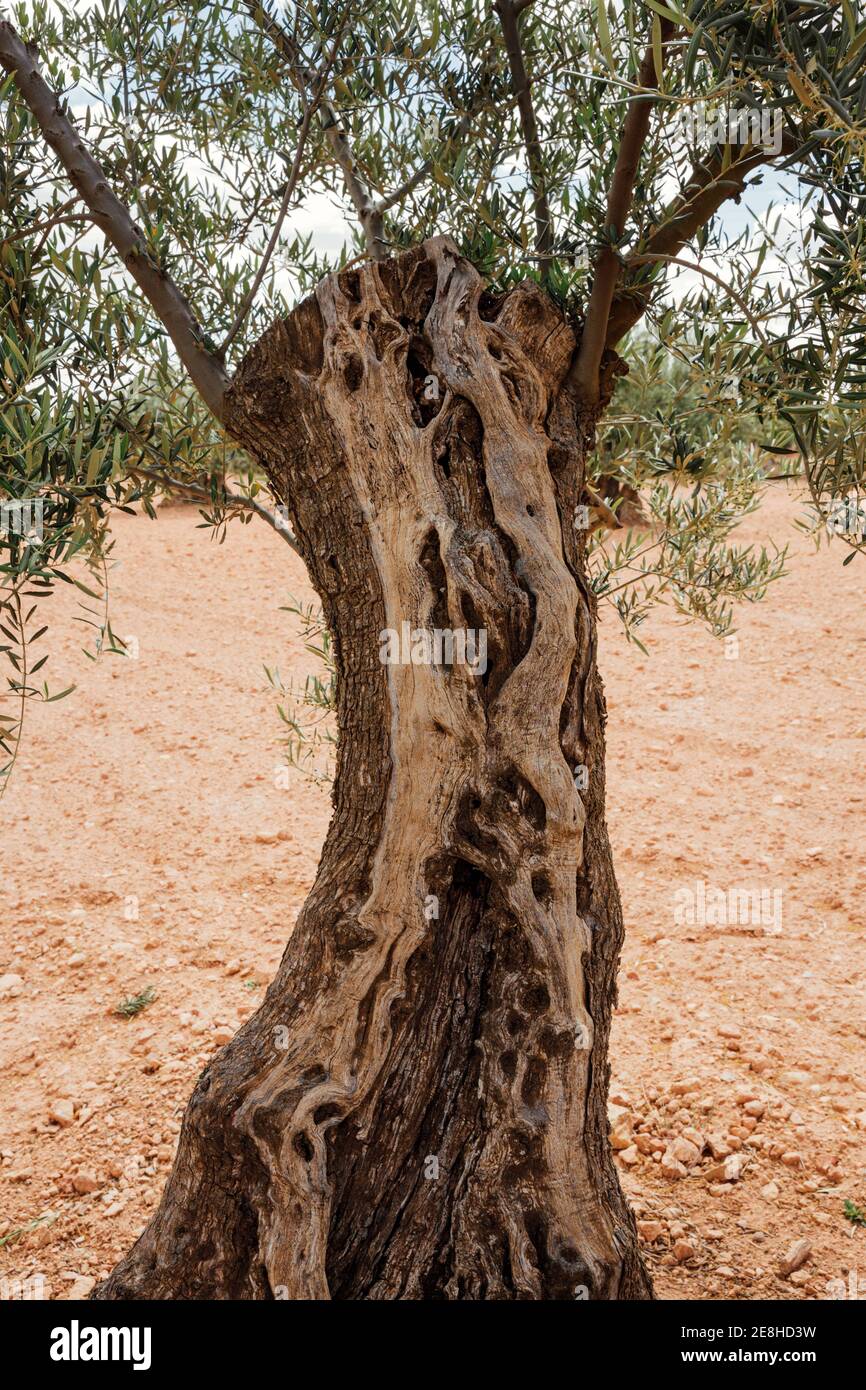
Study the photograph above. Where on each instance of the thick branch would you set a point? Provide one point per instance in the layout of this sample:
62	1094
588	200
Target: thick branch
587	364
708	188
205	369
509	11
304	78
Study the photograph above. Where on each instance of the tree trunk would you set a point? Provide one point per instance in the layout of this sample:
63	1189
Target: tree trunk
418	1109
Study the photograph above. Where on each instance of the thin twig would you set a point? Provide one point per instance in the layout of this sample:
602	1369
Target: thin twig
310	110
60	217
509	12
710	185
304	78
711	275
231	499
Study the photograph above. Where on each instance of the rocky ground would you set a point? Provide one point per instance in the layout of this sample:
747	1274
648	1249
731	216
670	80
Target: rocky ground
152	841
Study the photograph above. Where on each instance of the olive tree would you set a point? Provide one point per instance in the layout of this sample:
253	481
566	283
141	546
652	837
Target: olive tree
413	399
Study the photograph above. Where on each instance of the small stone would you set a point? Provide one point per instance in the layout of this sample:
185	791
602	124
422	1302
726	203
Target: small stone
683	1250
650	1230
792	1159
770	1190
10	986
82	1287
684	1088
61	1112
798	1254
629	1155
671	1166
729	1030
222	1036
647	1144
755	1108
685	1152
85	1182
761	1064
729	1170
718	1147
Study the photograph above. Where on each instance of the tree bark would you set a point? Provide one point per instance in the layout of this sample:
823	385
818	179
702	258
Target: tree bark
418	1109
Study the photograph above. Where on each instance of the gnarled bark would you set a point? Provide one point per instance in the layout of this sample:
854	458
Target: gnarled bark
418	1108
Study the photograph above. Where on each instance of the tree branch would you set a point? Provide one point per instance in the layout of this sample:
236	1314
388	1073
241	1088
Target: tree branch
304	78
708	188
509	12
231	499
205	369
59	216
392	199
310	108
710	275
585	371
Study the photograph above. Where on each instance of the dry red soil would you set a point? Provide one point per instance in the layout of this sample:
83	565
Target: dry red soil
150	841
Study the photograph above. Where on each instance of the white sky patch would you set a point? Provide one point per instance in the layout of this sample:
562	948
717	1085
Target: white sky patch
769	215
324	217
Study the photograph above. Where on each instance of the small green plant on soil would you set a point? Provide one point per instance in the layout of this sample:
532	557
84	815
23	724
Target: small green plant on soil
129	1007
